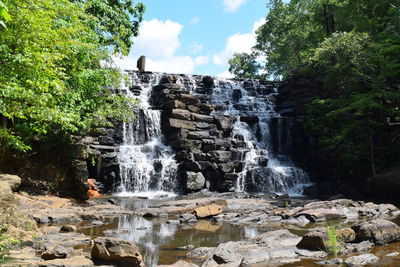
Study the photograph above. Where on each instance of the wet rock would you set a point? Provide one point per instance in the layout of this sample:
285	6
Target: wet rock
208	211
202	252
322	214
357	247
13	181
315	240
360	260
221	156
78	261
116	251
335	261
195	181
68	228
277	238
378	231
180	264
223	123
187	218
346	235
57	252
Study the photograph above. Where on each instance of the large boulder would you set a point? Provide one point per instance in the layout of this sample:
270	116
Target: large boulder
315	240
386	185
378	231
195	181
14	181
116	251
208	211
56	252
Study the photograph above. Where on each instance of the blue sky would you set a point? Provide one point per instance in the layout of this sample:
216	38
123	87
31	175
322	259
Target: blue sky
195	36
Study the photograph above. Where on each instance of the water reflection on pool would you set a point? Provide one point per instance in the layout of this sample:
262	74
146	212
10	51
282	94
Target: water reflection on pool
161	242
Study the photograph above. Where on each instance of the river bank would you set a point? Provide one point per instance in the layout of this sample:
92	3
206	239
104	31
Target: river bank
206	229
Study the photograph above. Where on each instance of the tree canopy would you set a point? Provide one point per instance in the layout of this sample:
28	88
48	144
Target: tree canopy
55	77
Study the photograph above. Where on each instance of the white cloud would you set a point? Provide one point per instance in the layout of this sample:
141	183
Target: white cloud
195	48
159	42
194	20
233	5
158	38
237	43
226	74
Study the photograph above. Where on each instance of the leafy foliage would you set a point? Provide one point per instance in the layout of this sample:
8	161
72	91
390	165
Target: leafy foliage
244	65
54	74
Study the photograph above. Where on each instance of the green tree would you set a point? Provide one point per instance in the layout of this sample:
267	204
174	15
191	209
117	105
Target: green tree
118	21
245	65
53	74
4	16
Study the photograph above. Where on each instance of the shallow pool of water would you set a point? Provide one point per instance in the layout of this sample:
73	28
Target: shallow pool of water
161	242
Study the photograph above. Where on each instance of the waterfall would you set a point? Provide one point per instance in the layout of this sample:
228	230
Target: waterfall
257	143
147	166
266	153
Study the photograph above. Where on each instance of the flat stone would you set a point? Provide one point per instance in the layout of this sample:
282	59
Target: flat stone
201	252
181	124
180	264
208	211
360	260
181	114
78	261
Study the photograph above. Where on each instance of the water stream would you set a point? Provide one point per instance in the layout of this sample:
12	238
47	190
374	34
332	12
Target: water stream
147	166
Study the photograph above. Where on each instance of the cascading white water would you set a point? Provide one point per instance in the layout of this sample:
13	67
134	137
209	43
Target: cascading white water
267	167
147	166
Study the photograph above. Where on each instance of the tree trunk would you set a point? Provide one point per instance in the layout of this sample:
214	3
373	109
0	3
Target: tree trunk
329	20
372	154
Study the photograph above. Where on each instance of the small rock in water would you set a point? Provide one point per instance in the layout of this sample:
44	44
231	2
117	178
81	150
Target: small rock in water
141	228
360	260
68	229
142	197
393	254
335	261
97	223
187	218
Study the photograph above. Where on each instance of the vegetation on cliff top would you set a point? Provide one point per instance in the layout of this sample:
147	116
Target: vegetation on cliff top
355	46
55	66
